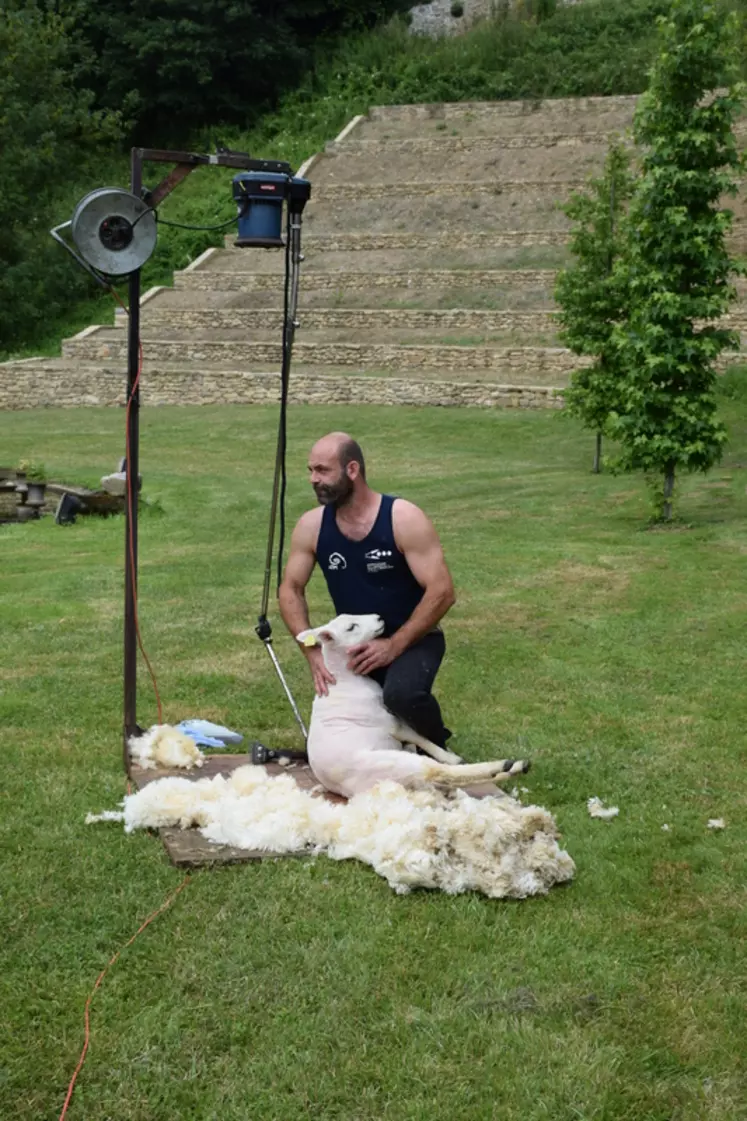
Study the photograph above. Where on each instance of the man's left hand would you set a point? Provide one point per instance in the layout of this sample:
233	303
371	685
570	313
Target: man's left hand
369	656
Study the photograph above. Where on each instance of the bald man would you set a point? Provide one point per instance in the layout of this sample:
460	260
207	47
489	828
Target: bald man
379	555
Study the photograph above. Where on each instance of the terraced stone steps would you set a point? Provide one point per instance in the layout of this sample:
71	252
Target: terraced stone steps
413	251
492	289
325	249
497	290
492	213
404	160
431	245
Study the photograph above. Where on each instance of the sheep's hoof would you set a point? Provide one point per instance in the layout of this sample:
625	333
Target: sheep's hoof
521	766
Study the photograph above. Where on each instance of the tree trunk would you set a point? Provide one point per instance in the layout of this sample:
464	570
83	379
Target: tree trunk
598	454
668	491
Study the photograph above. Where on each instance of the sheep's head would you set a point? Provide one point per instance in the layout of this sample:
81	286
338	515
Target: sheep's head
344	631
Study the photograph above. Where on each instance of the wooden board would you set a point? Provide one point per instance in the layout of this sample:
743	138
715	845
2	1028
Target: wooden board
187	848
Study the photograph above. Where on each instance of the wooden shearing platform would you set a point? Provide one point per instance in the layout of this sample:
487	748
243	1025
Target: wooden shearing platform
187	848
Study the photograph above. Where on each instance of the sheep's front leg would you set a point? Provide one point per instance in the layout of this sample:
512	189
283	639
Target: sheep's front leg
405	734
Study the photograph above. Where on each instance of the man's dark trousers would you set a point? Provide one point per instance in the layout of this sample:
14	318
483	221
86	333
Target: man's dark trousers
407	685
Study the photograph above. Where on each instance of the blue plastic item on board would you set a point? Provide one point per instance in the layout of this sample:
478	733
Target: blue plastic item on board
207	734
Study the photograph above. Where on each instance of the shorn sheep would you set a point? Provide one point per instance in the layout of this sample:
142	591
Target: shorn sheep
354	742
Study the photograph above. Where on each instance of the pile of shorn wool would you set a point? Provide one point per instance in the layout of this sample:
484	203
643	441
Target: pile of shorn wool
413	838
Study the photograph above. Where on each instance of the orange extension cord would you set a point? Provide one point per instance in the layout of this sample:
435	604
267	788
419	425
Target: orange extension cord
185	881
100	978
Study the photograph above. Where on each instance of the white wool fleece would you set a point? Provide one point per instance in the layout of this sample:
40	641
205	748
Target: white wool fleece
164	746
412	838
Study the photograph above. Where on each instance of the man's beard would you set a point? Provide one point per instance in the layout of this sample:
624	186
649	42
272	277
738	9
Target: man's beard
337	493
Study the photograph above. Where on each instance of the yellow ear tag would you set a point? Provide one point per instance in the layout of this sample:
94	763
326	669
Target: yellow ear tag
310	640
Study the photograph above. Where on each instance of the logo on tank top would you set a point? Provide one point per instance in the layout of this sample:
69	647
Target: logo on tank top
377	561
336	562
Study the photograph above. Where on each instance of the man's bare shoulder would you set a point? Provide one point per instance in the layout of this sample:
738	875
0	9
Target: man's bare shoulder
308	526
409	520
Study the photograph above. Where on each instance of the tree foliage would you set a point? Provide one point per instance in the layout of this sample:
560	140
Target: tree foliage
174	65
592	293
679	271
47	127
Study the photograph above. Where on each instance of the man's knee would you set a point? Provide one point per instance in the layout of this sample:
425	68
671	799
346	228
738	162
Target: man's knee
402	701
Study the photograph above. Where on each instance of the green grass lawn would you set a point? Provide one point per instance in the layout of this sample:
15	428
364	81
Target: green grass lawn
609	652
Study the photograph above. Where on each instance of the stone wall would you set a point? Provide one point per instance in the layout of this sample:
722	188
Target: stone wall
336	319
454	188
40	385
226	280
351	243
449	145
564	108
522	362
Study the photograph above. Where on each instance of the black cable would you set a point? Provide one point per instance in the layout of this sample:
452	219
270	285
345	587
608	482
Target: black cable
284	386
263	628
183	225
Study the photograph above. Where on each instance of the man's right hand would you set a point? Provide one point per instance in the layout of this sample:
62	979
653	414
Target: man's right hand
319	672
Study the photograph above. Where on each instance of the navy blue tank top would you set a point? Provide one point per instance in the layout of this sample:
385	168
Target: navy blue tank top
368	577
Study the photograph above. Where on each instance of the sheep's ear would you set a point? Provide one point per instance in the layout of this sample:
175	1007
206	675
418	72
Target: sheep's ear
307	638
325	635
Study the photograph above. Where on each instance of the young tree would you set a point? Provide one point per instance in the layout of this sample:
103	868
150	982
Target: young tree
679	271
591	293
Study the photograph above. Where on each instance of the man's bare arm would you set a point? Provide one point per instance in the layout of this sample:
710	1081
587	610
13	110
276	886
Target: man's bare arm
416	536
292	593
298	570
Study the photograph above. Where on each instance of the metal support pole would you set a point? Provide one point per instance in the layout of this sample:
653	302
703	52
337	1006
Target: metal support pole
131	506
286	687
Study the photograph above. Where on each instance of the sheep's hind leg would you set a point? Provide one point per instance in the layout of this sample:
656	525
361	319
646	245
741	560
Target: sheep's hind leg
500	770
406	735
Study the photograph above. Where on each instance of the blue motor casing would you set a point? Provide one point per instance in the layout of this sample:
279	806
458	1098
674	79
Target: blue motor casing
259	196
